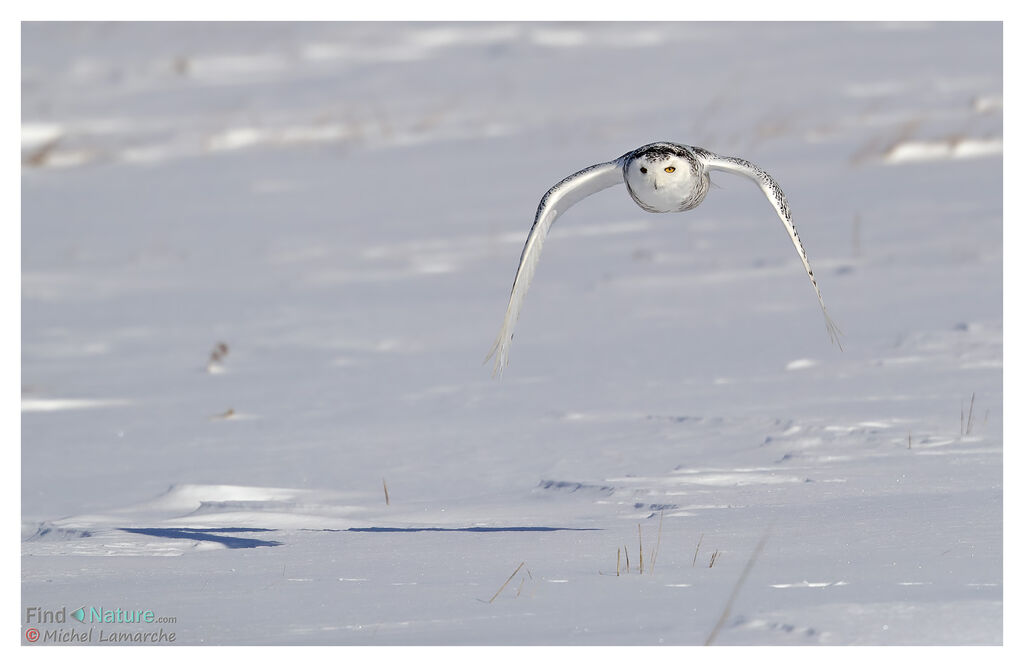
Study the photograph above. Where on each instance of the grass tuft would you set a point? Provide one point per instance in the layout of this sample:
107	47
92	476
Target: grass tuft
216	361
643	566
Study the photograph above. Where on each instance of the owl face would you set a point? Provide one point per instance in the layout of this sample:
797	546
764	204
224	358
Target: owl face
661	180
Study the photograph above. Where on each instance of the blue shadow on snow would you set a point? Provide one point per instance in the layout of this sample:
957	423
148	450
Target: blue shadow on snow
209	535
470	529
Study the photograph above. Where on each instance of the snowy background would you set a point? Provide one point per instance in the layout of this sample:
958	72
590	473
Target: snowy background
342	206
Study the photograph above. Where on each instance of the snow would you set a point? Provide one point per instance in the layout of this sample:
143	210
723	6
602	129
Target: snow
343	205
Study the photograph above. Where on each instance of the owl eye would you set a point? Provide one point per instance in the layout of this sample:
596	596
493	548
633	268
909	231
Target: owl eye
643	170
669	170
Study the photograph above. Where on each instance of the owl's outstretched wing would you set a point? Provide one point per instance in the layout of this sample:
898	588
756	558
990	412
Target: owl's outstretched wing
556	201
775	195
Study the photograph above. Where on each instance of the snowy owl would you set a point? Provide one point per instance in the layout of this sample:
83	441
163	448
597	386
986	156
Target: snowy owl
662	177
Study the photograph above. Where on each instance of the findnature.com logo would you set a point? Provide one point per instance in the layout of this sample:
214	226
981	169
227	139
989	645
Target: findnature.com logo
98	619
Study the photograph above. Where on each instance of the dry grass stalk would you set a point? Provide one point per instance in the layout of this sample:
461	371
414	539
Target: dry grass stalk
736	589
965	428
697	550
657	545
40	156
510	577
227	414
856	235
387	498
640	536
970	416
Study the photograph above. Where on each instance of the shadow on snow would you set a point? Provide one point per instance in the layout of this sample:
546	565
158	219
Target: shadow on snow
209	535
470	529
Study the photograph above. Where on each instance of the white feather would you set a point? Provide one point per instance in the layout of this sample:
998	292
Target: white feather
556	201
775	195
